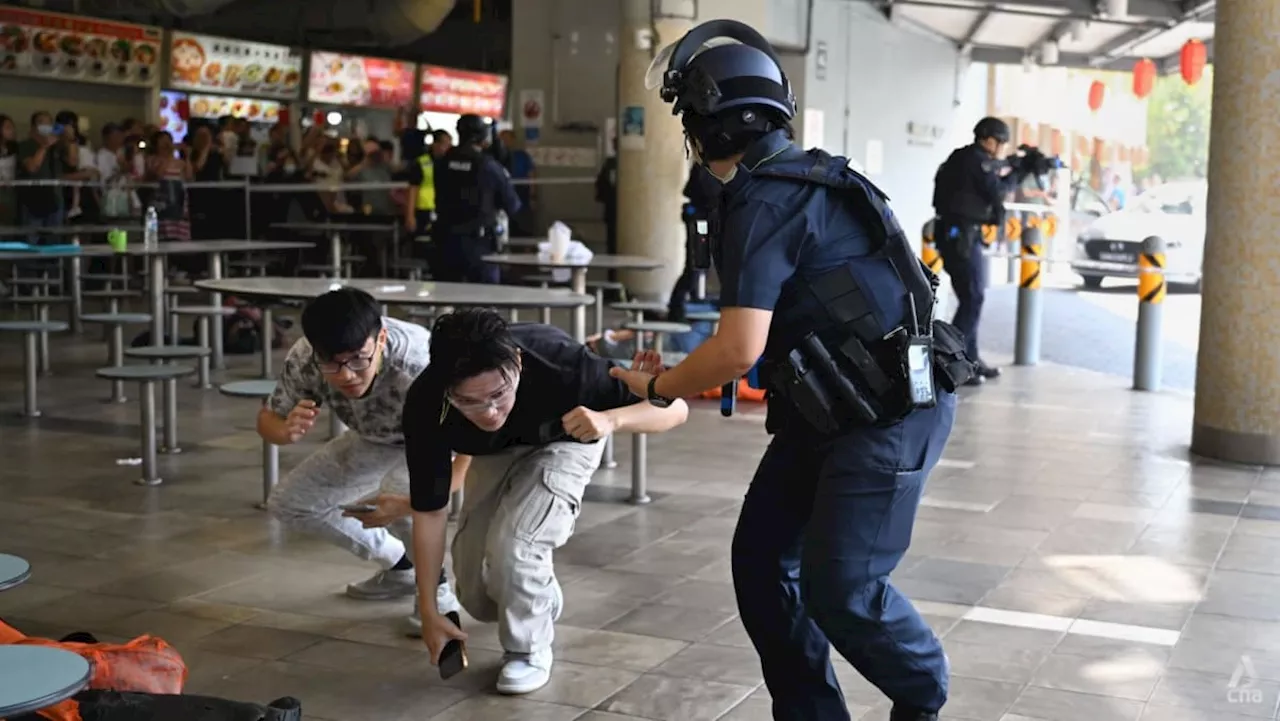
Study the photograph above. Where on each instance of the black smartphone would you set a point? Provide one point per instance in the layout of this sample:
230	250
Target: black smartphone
453	659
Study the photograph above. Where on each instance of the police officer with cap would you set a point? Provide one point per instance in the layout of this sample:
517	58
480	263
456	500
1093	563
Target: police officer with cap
969	192
471	187
819	283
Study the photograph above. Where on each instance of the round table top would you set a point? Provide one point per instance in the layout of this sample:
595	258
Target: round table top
612	262
197	247
256	388
402	292
33	326
144	372
14	571
36	677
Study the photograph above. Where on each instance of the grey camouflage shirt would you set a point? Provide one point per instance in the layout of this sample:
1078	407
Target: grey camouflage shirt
377	415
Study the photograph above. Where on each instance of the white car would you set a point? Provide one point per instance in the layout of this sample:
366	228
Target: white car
1109	246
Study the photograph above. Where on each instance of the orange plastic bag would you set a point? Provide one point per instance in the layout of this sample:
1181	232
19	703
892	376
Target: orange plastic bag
745	393
144	665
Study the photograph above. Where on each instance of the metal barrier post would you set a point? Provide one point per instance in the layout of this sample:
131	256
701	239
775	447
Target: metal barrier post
1012	236
1151	293
1026	344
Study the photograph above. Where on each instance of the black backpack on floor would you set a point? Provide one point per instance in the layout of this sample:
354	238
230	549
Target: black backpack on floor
114	706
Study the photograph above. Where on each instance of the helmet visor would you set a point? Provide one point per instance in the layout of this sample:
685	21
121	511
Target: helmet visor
654	76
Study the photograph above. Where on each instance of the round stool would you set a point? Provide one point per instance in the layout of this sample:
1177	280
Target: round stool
169	391
14	571
146	376
40	312
37	677
203	314
32	331
114	326
262	390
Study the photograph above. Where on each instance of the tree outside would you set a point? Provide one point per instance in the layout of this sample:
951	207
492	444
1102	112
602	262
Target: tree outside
1178	128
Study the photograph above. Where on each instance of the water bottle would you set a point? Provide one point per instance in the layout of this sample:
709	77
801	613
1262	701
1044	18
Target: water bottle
151	229
503	231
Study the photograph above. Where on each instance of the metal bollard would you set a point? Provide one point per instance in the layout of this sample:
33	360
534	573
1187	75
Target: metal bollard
1012	238
1026	344
1152	289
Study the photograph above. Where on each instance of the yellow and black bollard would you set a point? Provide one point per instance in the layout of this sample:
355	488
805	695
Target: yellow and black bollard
929	248
1026	344
1012	237
1152	289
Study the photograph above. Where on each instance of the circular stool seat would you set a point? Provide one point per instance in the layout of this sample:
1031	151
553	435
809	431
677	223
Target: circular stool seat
116	318
640	306
703	316
606	285
115	293
39	299
167	352
260	388
14	571
37	677
182	290
658	326
144	372
32	326
203	310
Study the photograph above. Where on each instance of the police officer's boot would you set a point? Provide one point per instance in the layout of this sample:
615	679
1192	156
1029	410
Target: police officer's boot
988	371
906	713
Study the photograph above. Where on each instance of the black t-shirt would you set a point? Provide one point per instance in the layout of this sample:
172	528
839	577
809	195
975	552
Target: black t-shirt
557	375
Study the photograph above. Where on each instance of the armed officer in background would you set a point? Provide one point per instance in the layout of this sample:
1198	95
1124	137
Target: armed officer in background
968	193
471	187
819	284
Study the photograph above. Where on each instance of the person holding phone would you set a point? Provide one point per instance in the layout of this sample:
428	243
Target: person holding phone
529	407
359	365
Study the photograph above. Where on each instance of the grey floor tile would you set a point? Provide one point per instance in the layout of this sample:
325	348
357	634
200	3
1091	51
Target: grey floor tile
1057	705
663	697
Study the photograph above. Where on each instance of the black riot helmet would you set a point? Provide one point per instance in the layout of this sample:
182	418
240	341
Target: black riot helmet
990	127
723	79
472	130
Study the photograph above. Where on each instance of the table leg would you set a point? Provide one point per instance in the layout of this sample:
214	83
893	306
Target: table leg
46	366
29	365
606	459
579	283
169	394
215	300
117	360
147	402
639	468
156	278
270	471
77	295
202	333
335	255
268	326
174	330
514	314
599	311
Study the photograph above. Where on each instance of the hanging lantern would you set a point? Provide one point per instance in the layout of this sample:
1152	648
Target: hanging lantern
1192	59
1097	93
1144	77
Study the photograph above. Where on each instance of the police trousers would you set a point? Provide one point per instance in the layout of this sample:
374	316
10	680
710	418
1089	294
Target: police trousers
346	470
964	258
518	507
460	258
823	525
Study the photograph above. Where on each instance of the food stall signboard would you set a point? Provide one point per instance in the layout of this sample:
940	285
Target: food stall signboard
445	90
219	65
53	45
361	82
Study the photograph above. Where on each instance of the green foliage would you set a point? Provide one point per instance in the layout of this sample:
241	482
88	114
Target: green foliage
1178	127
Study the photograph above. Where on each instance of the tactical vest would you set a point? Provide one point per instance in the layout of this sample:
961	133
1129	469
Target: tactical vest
427	190
464	206
862	312
954	197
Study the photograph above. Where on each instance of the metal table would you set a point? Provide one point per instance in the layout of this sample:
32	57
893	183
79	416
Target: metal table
156	273
37	677
391	291
578	274
334	232
14	571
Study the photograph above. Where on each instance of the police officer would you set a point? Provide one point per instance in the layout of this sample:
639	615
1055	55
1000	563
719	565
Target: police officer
471	187
969	192
812	263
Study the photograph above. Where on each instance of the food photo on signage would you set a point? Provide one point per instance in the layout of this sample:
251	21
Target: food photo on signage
360	82
61	46
174	113
255	110
220	65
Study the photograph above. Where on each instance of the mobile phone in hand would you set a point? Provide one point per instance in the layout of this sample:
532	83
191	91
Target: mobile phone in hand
453	659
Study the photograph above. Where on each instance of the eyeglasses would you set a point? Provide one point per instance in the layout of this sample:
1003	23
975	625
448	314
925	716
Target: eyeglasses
471	405
357	364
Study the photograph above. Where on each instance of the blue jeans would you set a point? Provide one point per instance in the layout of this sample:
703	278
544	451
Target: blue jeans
822	527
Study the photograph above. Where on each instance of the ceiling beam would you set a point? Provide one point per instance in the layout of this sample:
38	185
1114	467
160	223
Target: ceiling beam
1014	56
976	27
1028	8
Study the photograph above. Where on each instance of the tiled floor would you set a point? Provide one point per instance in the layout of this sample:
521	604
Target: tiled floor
1079	567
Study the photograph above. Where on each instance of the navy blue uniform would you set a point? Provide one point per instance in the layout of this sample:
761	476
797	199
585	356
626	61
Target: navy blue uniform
825	521
471	187
967	194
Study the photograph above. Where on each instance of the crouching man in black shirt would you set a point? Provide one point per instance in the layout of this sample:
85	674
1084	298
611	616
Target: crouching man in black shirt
530	406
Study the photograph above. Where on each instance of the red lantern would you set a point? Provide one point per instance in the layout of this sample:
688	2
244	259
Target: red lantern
1097	93
1192	59
1144	77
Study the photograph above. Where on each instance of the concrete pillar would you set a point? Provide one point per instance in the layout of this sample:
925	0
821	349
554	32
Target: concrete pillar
652	166
1237	405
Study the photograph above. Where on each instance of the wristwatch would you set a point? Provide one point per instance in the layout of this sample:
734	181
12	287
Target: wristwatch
656	400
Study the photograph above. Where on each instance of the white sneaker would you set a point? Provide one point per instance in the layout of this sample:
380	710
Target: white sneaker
385	586
446	602
524	673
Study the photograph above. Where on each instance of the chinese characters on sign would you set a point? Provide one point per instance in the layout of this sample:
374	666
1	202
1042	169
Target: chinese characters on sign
200	62
445	90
